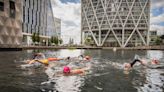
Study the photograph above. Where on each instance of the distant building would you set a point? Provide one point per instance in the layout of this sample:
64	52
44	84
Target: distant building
51	22
115	23
153	37
10	23
58	26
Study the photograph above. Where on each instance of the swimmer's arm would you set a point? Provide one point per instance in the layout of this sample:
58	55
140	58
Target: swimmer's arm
32	61
83	73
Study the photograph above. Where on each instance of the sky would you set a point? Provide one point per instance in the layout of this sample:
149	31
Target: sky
69	11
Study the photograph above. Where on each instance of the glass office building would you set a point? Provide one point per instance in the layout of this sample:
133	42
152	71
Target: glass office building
38	18
58	26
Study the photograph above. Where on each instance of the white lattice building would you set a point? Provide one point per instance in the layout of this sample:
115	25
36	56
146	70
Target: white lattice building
116	23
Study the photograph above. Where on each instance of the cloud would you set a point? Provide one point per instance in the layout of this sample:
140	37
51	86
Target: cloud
157	3
70	15
157	19
159	28
157	16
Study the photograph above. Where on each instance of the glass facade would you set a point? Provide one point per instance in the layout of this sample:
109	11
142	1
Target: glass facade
51	29
35	16
58	26
38	17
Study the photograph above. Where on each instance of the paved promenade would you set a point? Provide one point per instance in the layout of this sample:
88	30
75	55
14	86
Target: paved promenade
89	47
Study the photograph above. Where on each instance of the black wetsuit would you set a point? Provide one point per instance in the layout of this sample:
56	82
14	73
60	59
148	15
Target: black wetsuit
134	61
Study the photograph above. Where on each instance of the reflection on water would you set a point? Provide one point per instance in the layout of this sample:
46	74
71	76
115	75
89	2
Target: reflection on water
105	74
155	54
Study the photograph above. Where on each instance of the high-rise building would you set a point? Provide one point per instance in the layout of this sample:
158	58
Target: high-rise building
116	23
10	23
38	18
58	26
153	37
51	22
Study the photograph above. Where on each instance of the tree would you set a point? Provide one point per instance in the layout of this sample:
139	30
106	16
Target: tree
158	41
88	41
37	37
162	36
54	39
60	41
33	37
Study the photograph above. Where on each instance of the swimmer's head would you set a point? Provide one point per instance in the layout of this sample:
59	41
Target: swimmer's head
155	61
38	56
68	58
127	65
87	57
66	70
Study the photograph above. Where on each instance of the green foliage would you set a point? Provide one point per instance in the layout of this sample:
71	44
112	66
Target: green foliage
60	41
33	37
37	37
54	40
158	41
162	36
89	41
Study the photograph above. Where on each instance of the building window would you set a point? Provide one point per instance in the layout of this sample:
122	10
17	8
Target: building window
12	9
1	6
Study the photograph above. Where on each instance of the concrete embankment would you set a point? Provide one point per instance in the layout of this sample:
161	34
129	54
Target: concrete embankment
58	47
89	47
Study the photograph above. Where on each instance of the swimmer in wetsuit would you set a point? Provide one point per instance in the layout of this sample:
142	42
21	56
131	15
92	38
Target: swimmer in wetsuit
130	65
84	58
127	66
40	57
67	71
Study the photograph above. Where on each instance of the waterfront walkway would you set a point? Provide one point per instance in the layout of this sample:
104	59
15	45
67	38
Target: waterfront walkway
161	47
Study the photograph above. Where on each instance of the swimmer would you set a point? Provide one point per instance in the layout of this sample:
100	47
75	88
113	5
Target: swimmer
127	66
42	61
38	56
68	72
154	62
84	58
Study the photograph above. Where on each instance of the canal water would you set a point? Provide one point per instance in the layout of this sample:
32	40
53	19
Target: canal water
105	72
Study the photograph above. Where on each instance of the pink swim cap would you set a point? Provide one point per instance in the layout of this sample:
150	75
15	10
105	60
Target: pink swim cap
66	69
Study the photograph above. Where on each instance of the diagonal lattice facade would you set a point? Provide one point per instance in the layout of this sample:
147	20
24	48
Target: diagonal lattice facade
116	23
